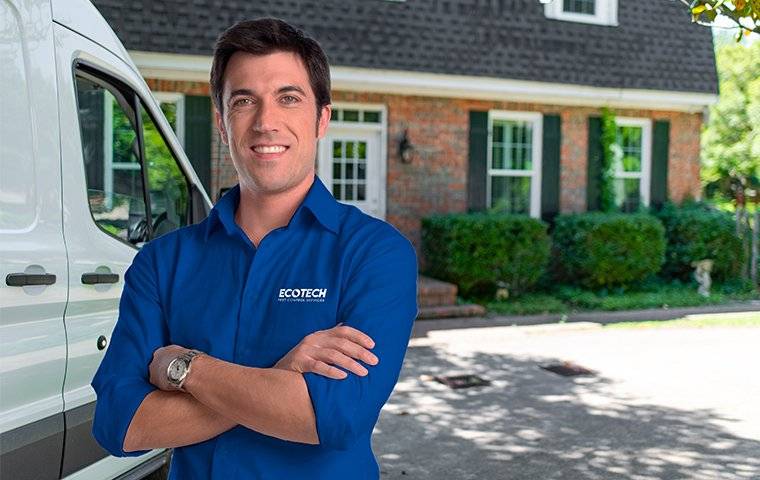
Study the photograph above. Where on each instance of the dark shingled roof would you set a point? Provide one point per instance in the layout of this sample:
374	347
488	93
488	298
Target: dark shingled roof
654	47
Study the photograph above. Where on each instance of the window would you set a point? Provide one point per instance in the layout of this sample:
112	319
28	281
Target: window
631	163
349	163
169	189
601	12
514	163
125	156
356	115
173	107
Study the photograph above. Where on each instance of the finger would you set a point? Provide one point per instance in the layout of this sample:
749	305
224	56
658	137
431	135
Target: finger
354	335
321	368
353	350
335	357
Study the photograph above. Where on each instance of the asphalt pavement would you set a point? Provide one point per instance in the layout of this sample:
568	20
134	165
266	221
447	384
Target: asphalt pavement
663	403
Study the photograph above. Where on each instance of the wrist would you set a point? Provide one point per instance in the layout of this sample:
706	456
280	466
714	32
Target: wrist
192	379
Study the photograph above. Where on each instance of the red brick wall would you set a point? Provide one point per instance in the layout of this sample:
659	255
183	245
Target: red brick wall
436	179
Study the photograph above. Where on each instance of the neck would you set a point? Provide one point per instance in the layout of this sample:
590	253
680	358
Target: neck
259	212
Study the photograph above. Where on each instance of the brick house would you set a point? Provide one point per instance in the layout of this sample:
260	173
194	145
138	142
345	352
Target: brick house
454	106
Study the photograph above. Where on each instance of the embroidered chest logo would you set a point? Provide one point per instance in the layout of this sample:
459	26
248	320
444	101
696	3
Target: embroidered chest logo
302	295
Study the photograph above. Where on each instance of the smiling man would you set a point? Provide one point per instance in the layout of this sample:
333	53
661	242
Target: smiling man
263	342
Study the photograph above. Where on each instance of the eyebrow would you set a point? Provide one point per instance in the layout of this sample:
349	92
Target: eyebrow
284	89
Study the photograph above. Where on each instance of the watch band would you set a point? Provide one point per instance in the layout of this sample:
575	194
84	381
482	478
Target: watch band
188	358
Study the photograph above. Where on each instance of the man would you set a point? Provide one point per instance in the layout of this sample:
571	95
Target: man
298	309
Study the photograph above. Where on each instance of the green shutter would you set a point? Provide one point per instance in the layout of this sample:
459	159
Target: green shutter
198	137
658	193
477	168
550	167
594	168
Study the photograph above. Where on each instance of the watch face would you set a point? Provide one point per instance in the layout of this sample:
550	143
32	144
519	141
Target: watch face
176	369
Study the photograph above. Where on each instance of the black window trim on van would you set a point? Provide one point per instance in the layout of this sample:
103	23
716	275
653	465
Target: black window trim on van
96	73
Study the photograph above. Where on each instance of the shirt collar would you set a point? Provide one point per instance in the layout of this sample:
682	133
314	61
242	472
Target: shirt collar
319	201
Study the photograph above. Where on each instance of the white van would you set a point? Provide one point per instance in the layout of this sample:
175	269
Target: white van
90	170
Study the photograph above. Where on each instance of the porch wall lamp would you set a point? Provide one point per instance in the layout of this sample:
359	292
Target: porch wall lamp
405	148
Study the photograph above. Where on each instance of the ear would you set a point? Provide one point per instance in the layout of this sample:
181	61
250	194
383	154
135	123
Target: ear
220	127
324	121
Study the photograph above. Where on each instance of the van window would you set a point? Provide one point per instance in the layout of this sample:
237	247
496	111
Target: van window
112	160
125	153
169	189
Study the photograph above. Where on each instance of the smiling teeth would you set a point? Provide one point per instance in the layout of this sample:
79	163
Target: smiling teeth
268	149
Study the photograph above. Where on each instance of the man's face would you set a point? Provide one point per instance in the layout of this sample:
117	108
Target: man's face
270	120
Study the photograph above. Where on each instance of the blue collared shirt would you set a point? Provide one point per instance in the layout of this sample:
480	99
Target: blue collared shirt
207	287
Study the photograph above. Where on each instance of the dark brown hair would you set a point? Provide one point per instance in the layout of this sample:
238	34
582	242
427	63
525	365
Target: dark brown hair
262	37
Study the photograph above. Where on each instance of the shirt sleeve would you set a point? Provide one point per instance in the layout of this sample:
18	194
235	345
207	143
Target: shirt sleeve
379	299
122	380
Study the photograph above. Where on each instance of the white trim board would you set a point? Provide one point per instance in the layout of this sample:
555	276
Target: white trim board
196	68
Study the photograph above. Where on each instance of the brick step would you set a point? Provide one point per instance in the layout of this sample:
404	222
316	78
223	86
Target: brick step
435	293
449	311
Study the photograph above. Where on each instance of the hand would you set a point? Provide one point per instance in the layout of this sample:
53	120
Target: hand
339	345
162	357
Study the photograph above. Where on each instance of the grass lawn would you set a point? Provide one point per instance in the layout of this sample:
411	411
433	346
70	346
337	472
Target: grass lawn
571	299
737	319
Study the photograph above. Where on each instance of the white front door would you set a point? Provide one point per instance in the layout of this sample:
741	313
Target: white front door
351	167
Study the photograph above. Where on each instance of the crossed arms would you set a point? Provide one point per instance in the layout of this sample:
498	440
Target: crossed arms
303	398
273	401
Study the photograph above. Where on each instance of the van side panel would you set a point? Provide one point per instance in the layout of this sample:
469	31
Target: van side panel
32	335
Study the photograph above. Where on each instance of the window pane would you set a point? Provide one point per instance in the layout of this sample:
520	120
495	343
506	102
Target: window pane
111	160
628	154
510	194
512	146
360	192
372	117
170	112
350	115
627	194
337	149
579	6
169	190
337	191
334	114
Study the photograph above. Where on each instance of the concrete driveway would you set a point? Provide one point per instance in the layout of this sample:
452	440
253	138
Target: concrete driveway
665	403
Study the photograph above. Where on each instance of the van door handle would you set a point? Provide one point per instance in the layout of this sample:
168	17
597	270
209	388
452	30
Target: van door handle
27	279
93	278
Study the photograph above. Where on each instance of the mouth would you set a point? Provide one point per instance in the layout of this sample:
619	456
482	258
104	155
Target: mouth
269	152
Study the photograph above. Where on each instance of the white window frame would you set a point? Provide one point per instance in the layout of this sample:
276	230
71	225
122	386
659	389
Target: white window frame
605	13
179	100
646	156
536	119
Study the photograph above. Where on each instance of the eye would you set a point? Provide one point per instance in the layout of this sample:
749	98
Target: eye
289	99
241	102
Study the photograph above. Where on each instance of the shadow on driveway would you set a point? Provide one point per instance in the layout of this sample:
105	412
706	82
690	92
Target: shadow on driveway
533	424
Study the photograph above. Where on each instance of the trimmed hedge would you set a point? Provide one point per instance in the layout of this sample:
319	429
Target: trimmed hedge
603	250
475	251
697	232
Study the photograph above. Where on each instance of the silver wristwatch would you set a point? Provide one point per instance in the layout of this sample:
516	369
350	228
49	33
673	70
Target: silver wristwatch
178	368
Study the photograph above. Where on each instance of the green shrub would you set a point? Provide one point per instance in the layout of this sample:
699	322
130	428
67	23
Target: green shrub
697	232
476	251
605	250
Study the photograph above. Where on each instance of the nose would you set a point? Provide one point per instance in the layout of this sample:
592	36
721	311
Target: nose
266	117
